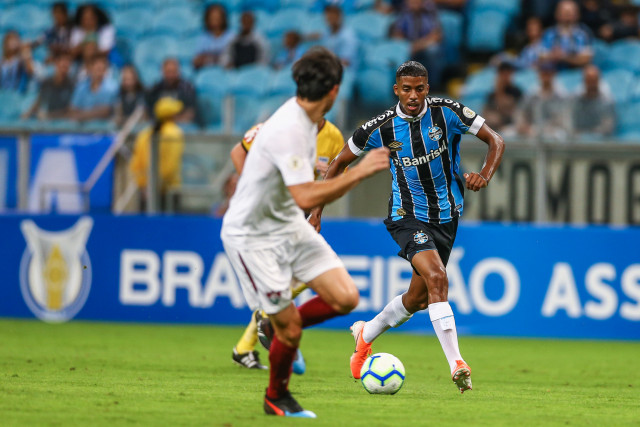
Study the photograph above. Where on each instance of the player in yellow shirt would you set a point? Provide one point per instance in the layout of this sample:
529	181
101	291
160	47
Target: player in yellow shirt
328	145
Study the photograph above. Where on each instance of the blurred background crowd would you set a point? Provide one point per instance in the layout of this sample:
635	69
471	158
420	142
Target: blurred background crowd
557	68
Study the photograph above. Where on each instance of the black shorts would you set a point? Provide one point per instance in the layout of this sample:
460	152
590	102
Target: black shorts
413	236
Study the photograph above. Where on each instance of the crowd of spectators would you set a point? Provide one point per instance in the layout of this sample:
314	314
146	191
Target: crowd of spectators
86	77
567	43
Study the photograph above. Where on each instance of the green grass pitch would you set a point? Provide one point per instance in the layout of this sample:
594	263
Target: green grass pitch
91	374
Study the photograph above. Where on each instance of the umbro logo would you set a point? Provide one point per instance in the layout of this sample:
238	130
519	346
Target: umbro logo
395	146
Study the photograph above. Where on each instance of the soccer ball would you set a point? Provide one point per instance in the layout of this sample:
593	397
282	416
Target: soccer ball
382	373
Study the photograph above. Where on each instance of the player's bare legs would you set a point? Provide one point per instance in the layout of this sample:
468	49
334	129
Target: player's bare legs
397	312
337	294
430	266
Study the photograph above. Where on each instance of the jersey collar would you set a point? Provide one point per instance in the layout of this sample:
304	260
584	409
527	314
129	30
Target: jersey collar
409	118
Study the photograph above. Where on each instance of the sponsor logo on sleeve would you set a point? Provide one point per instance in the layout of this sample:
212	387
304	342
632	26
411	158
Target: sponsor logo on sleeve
468	112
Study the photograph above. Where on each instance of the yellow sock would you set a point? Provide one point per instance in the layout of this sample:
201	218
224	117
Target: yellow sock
249	338
298	289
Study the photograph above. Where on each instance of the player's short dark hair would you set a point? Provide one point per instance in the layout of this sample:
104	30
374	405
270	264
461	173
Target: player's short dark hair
316	73
412	69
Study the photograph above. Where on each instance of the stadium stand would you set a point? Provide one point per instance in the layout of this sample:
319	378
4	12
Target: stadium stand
148	31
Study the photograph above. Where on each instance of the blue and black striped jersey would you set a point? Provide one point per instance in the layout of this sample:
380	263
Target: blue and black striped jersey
425	157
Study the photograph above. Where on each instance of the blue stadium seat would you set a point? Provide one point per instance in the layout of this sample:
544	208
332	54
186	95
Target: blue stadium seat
12	104
620	81
374	87
480	83
296	4
25	17
364	4
627	118
285	20
509	6
452	29
571	80
210	107
175	22
230	5
268	5
132	23
475	102
526	80
249	80
388	53
212	79
600	53
269	106
370	26
282	83
245	113
315	23
624	54
150	52
482	37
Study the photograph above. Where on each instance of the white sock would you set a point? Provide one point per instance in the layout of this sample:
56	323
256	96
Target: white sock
393	315
445	326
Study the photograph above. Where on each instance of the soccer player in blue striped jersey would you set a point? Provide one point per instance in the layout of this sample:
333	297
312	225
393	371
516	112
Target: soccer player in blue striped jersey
426	201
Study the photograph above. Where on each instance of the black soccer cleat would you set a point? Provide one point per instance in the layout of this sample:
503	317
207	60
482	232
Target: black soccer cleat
265	330
249	360
285	406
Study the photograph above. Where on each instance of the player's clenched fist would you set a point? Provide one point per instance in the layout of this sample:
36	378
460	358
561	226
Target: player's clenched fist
375	161
475	181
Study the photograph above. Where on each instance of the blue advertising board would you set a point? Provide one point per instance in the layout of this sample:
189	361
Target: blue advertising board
508	280
8	172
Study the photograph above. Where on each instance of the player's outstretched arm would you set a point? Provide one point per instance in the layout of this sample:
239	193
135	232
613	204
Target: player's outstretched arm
238	156
476	181
316	193
337	167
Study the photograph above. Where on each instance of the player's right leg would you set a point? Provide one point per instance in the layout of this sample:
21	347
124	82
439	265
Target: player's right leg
394	314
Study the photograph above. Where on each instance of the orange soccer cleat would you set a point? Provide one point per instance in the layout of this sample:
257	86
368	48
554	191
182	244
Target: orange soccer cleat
461	376
362	351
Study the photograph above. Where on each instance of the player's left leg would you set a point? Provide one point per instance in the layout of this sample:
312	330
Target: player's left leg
244	353
287	325
430	266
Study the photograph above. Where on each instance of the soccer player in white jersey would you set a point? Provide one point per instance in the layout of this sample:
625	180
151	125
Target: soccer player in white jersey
266	236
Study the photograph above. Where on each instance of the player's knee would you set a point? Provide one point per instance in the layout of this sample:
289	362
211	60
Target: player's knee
436	279
291	334
348	301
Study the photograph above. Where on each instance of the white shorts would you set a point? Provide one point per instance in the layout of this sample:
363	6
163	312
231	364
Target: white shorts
265	273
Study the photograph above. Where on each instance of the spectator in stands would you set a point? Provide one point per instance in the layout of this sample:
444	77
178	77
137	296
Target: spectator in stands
502	102
339	38
248	47
174	86
131	94
87	54
544	111
171	148
57	39
17	65
567	43
419	24
292	50
530	54
593	109
95	97
92	24
213	43
457	5
594	14
55	93
624	27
